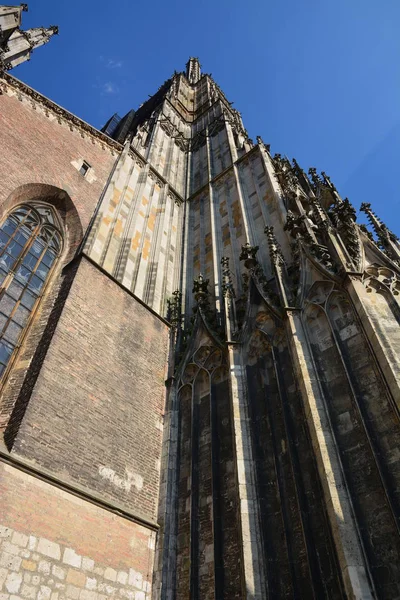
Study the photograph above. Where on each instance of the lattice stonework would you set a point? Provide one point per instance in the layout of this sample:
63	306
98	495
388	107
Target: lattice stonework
30	243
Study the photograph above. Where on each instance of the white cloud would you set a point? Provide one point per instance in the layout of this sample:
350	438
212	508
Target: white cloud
113	64
110	88
110	63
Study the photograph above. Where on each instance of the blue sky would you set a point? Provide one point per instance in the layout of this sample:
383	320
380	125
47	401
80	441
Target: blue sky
319	80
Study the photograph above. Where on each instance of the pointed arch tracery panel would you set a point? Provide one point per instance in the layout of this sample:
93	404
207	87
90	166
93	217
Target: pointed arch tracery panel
209	562
326	324
185	485
284	544
228	573
382	304
202	492
30	245
376	406
297	544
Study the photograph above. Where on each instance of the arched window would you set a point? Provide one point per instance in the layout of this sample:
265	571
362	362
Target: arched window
30	243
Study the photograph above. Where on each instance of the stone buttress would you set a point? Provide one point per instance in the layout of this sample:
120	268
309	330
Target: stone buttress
280	471
192	255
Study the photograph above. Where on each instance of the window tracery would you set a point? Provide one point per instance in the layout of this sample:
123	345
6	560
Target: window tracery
30	244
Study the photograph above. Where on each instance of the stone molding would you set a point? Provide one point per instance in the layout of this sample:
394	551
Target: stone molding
8	84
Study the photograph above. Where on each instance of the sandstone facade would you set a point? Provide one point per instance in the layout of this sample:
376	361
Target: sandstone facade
204	400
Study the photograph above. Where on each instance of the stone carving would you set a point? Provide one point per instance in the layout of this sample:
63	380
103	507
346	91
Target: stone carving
343	215
200	290
275	251
174	309
261	143
227	285
16	45
296	226
387	240
367	232
285	175
377	278
322	255
316	180
248	255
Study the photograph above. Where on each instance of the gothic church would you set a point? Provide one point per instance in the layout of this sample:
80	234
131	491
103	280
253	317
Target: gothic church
199	358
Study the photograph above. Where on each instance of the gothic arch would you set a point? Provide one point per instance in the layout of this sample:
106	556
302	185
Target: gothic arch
361	417
49	209
60	200
382	305
207	481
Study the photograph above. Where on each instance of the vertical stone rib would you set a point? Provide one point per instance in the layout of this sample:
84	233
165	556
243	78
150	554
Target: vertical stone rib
317	534
381	422
375	519
194	512
350	553
249	515
387	357
187	254
227	551
272	499
185	486
202	543
152	271
247	223
215	234
166	559
126	178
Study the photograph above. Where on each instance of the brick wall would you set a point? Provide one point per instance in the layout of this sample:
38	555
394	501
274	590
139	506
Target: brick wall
39	146
55	546
95	413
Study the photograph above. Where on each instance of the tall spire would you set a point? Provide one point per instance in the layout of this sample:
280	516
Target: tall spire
16	45
193	70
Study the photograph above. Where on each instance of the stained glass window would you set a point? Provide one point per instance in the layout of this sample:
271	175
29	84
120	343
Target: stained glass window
30	243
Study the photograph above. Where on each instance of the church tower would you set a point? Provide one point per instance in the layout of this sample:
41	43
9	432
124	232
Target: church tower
280	470
199	362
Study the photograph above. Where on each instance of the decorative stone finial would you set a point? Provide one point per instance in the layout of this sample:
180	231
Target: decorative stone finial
315	178
294	225
320	216
274	248
365	230
175	308
193	70
200	289
374	220
248	255
385	236
344	212
328	182
227	285
20	44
